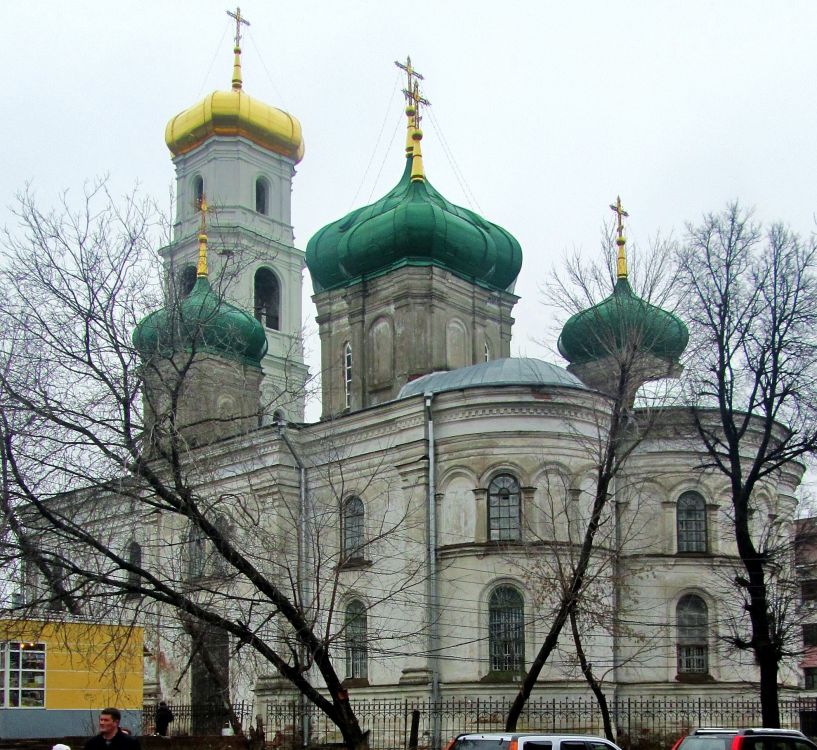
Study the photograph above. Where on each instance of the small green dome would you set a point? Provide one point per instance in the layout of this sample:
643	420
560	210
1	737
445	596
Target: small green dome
412	225
206	322
596	332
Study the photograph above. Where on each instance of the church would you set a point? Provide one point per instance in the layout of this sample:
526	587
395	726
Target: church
428	521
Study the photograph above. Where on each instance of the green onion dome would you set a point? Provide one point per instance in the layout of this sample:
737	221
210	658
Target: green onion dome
620	320
412	225
202	322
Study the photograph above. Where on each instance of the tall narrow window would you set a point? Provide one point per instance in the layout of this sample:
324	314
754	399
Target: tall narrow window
691	515
692	620
352	524
347	373
267	299
503	508
198	191
262	196
196	553
357	648
135	559
506	630
487	352
23	675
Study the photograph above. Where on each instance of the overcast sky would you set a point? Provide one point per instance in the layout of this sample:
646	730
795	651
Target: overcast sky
548	109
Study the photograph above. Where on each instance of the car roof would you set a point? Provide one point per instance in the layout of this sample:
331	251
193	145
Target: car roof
526	735
752	730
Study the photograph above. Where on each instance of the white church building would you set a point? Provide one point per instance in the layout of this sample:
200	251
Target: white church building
431	516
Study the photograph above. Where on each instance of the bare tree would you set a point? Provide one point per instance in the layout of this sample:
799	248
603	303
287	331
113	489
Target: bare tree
751	303
136	513
620	347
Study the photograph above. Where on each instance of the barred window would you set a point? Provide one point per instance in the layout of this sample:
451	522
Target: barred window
352	525
503	508
357	649
23	675
692	619
691	520
506	630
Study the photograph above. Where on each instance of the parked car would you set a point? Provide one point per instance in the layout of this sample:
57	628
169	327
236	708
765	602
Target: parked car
531	741
715	738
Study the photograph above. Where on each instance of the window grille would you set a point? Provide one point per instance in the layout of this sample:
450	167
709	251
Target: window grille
692	619
503	508
691	519
506	630
357	650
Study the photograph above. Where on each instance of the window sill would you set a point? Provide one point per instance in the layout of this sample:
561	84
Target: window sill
355	563
502	677
355	682
694	678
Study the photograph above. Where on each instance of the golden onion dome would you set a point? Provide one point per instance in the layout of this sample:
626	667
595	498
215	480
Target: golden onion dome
235	113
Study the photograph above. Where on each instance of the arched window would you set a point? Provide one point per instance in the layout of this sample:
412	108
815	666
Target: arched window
506	630
357	649
503	508
262	196
187	280
487	352
198	191
267	299
692	620
196	553
352	524
347	373
691	522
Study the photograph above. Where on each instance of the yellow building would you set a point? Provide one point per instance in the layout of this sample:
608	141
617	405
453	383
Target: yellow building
58	675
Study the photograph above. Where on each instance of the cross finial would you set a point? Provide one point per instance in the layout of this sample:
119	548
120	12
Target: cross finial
621	261
412	90
620	212
201	269
239	19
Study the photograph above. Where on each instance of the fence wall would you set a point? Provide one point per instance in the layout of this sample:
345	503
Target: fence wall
640	723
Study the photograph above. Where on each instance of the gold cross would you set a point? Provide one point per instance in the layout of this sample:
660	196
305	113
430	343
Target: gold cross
411	73
620	212
238	21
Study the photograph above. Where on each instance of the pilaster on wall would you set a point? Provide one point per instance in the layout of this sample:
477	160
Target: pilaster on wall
409	322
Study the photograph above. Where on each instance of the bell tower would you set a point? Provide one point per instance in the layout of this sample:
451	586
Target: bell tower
242	153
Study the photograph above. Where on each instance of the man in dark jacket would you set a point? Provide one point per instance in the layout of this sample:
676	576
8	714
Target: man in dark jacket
110	736
163	718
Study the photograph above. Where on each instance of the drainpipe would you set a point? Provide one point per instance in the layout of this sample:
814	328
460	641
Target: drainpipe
302	588
433	611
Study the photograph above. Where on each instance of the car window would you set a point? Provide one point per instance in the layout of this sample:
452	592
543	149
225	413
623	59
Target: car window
537	745
573	745
706	743
596	745
483	743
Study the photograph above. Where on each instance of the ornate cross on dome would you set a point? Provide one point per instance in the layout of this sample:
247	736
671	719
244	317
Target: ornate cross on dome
412	90
620	212
621	261
239	19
